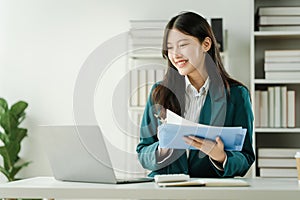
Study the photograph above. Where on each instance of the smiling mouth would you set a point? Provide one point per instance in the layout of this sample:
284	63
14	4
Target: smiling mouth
181	63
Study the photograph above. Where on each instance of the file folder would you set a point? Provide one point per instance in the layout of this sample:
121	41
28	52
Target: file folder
171	135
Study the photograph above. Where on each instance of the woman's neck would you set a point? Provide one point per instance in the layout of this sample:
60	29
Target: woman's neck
197	80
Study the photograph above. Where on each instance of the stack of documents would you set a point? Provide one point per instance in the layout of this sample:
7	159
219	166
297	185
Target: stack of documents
171	133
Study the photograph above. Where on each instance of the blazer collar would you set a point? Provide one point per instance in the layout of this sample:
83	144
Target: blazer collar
214	109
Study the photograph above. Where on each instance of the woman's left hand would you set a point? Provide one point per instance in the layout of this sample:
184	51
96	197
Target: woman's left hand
214	149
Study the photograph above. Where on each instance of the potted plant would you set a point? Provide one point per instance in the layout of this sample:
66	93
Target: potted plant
11	136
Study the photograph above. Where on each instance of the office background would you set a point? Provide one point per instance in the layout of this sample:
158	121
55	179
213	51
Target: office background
44	44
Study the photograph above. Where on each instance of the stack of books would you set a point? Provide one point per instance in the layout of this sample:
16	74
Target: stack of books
282	64
277	162
275	108
146	36
146	64
278	18
142	80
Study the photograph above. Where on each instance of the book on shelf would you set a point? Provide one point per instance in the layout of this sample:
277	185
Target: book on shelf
279	28
282	59
279	10
142	87
147	33
283	90
141	82
146	53
257	108
276	162
277	152
271	98
282	75
150	80
291	106
145	72
264	109
274	53
134	87
282	66
144	43
279	20
140	24
277	106
272	107
278	172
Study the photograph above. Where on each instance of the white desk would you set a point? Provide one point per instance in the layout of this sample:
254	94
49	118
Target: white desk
48	187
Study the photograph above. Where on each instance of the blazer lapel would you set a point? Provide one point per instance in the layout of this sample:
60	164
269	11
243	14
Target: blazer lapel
217	106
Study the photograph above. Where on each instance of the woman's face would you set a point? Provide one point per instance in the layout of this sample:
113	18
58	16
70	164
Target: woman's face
185	52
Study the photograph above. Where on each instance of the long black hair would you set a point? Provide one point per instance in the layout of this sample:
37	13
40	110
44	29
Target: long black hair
170	94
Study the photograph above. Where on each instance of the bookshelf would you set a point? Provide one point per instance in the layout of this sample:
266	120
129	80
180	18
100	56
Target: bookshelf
277	136
146	66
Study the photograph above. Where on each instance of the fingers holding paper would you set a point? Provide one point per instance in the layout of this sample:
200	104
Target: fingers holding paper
214	149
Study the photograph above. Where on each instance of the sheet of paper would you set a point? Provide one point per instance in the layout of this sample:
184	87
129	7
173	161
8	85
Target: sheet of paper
173	118
171	133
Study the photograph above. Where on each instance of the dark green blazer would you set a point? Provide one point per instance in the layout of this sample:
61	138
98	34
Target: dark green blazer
238	113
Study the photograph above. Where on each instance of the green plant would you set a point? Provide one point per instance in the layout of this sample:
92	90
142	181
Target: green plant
11	136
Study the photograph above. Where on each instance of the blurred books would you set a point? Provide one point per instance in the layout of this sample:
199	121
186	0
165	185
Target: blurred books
282	64
277	162
281	18
275	107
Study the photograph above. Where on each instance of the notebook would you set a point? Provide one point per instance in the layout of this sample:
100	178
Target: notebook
79	153
208	182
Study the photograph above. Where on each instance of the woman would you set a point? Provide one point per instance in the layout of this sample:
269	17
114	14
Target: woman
196	87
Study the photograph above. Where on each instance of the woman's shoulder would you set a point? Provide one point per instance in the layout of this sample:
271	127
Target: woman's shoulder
238	91
155	85
239	88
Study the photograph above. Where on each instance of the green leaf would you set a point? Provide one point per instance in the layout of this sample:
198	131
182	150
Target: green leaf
8	122
18	134
5	172
3	106
6	158
21	118
18	109
13	149
16	169
4	138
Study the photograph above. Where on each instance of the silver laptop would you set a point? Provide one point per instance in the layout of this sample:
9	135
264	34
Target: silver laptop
79	153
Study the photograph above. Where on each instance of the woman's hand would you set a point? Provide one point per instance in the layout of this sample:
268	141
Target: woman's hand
215	150
163	152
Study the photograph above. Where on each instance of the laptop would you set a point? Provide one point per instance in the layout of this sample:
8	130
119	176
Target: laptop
79	153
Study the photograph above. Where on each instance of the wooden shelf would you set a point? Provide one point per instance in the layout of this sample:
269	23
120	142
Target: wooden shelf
276	34
265	81
277	130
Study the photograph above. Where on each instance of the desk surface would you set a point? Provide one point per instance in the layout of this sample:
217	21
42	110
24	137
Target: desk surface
48	187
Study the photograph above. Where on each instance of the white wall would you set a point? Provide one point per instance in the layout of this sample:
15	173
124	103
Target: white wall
45	42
